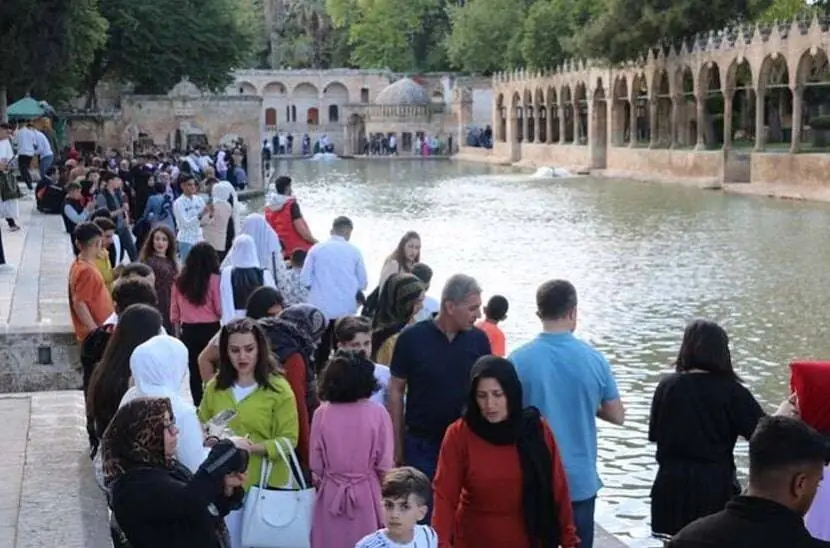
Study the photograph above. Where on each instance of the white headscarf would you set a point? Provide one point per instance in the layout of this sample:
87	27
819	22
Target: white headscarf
267	243
159	367
243	254
225	192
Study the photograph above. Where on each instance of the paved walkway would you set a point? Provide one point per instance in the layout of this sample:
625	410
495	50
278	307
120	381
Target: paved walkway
48	496
33	294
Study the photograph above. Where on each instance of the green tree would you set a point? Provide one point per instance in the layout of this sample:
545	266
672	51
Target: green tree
384	31
543	28
485	34
784	10
628	28
153	44
45	47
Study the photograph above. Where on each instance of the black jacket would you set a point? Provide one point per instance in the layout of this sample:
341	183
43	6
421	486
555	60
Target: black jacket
170	508
748	522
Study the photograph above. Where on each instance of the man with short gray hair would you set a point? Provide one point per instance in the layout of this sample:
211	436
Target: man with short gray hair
431	364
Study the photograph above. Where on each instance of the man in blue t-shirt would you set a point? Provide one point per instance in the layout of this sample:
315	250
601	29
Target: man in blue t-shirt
571	383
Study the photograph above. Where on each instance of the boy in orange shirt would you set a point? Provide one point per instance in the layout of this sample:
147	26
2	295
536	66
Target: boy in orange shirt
494	312
90	303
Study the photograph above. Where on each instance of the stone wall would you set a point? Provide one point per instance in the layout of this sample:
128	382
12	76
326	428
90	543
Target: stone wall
704	167
159	117
806	170
23	371
661	101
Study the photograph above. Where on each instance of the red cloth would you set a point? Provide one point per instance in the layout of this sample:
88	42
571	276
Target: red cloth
295	374
810	380
282	223
478	496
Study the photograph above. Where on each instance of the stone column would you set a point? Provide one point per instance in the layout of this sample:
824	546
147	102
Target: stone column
551	121
798	102
633	120
653	126
728	98
562	124
760	130
675	122
536	124
575	121
701	115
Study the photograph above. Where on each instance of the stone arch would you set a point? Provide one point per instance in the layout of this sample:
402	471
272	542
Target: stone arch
811	100
620	112
356	130
773	88
541	119
641	126
566	100
711	93
335	96
305	97
501	113
273	89
553	115
246	88
305	90
517	113
660	110
685	130
739	93
529	116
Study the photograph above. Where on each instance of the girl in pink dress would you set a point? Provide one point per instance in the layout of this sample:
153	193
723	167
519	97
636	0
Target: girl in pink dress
351	450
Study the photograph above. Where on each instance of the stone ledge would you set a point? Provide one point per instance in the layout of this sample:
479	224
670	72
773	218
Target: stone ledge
23	372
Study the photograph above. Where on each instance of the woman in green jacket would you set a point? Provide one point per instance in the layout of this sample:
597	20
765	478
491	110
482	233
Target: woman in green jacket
250	383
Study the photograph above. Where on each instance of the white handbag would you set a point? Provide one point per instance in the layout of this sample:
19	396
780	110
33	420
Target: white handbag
279	518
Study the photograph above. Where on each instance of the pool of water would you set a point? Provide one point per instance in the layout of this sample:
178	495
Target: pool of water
645	259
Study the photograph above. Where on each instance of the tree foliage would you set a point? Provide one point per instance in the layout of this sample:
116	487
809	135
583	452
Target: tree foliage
485	34
626	29
46	46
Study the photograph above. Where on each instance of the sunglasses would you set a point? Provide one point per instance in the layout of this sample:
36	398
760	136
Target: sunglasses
241	325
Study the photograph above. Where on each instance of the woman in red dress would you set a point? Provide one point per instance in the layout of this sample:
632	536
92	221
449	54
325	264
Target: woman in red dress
500	480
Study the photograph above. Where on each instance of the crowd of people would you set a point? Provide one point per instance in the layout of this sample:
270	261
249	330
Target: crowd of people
222	372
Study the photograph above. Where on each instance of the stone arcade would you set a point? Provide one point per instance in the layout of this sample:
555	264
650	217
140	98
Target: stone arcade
732	106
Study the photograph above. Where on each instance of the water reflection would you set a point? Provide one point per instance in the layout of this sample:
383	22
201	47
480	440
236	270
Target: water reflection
645	259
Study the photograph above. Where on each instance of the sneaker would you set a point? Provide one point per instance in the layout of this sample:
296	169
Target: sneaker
6	267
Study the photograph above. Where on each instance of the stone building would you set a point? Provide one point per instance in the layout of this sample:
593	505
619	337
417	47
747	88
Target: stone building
182	118
745	104
346	104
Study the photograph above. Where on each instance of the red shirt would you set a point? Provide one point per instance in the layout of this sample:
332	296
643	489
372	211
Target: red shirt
495	335
478	495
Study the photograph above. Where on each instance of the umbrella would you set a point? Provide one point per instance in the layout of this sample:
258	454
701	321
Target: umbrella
26	109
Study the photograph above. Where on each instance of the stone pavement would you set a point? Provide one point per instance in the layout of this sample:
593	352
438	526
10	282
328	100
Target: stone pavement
33	294
49	496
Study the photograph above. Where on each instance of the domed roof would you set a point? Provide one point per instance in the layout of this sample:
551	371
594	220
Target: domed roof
403	92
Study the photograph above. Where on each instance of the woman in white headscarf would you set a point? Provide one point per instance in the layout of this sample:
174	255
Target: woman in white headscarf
222	226
267	243
242	274
159	367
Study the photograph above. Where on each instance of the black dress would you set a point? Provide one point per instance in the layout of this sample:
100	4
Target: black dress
171	508
696	419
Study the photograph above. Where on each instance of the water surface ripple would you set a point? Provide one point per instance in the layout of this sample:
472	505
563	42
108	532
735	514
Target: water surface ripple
645	260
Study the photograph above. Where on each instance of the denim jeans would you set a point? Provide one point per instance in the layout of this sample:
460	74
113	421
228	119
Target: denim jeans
422	454
45	164
184	250
584	520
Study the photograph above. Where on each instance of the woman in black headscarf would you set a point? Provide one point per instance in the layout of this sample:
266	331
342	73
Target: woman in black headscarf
157	501
512	446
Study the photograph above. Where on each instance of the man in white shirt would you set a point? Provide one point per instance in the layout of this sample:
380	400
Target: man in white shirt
44	151
334	271
6	155
26	146
188	210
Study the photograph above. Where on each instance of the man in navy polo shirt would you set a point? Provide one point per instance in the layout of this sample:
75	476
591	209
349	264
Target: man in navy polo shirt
431	364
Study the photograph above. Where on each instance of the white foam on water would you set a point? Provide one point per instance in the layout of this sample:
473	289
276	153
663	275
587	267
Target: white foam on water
325	156
546	172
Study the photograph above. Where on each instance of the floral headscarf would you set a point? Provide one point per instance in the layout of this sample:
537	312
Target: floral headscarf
308	319
135	438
